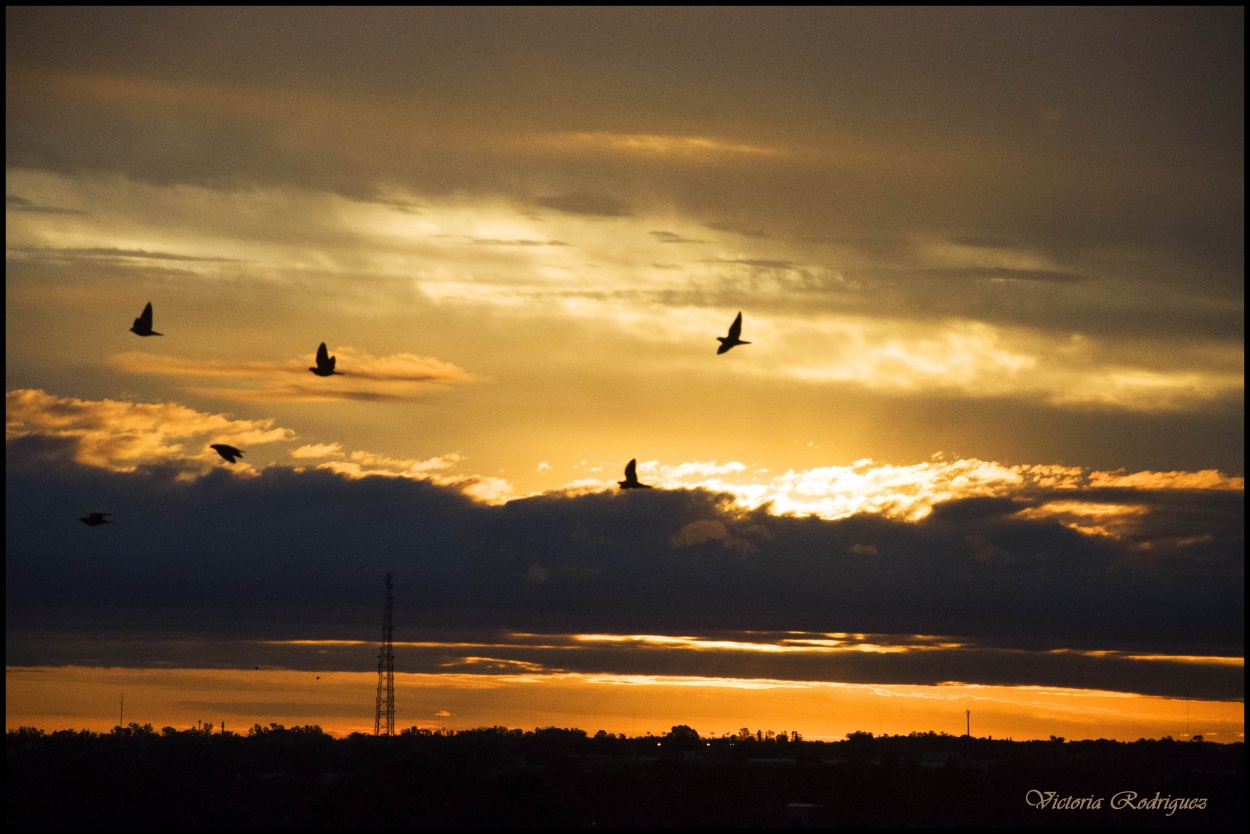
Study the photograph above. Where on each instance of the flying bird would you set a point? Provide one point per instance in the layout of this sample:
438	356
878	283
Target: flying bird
631	477
735	330
143	324
96	519
230	453
325	363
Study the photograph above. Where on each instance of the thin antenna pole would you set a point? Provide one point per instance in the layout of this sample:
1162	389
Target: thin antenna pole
968	718
384	710
121	717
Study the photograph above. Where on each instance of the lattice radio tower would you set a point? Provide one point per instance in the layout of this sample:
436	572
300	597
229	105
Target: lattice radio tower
384	715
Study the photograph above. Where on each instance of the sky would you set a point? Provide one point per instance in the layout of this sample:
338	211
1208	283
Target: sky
981	461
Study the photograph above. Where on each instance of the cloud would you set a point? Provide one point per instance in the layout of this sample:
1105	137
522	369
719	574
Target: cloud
367	464
758	263
725	226
318	450
698	532
832	158
718	658
947	270
112	254
12	202
1205	479
587	204
399	377
912	492
399	367
698	469
125	436
673	237
1002	588
139	362
688	148
999	274
364	464
1012	563
403	206
490	241
710	530
976	359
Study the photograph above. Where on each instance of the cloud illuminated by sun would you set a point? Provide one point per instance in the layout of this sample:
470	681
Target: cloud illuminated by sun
909	492
123	436
617	278
489	490
402	376
671	146
770	644
318	450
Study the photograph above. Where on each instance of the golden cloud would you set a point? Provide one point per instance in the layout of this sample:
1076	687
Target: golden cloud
1203	479
365	464
910	492
668	146
979	359
318	450
123	436
1091	518
396	378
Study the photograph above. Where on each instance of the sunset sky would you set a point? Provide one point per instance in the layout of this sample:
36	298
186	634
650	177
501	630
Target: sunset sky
984	451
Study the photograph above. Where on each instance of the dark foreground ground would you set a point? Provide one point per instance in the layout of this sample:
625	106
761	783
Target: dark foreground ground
300	777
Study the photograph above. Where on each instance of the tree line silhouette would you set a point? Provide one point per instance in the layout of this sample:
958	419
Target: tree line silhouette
276	776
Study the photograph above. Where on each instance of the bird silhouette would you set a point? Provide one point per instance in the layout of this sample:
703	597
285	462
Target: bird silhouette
631	477
96	519
735	330
230	453
325	363
143	324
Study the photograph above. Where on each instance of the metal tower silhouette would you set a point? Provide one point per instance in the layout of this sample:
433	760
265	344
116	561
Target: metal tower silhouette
384	715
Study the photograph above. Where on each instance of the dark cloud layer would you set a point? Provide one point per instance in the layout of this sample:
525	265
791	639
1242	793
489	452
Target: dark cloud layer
1072	130
290	554
482	652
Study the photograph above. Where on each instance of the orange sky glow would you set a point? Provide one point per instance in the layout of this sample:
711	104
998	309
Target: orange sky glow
342	703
